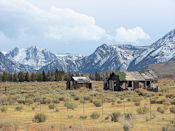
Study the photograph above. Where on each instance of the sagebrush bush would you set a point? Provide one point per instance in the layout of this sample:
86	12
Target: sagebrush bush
70	105
83	117
51	106
137	103
97	103
128	116
61	98
173	102
142	110
160	109
119	102
41	117
126	127
19	108
3	109
95	115
115	116
172	109
55	101
76	98
28	101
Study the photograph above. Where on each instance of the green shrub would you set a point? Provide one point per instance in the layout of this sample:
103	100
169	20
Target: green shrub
115	116
76	98
97	103
62	99
56	110
119	102
3	109
29	101
172	109
137	103
51	106
83	117
129	99
126	127
173	102
55	101
128	116
136	99
95	115
45	101
107	118
33	108
86	98
70	105
142	110
19	108
160	109
39	118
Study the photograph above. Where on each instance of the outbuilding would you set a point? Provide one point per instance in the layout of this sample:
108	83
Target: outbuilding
78	82
118	81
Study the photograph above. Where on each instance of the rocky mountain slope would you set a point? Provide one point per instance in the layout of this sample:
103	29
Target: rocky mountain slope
7	65
106	57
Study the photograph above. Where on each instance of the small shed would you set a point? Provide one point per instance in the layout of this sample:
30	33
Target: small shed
78	82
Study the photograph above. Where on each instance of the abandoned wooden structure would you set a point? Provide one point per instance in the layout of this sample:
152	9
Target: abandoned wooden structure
118	81
78	82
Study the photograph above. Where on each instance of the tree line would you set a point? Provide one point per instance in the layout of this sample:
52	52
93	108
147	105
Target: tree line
43	76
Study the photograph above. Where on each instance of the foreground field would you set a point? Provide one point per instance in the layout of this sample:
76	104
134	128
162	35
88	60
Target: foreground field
72	109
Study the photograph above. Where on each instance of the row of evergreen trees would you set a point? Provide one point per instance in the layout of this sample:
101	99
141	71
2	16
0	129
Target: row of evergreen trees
21	76
44	76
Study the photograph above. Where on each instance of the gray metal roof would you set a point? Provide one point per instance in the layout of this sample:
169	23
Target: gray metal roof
81	79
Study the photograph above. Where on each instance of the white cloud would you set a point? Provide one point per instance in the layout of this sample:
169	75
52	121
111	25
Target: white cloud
130	35
20	18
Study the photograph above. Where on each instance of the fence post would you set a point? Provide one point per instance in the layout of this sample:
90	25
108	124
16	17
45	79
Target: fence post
150	107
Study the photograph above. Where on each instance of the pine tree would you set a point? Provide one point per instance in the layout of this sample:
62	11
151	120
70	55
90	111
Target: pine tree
52	76
56	75
97	76
15	77
4	77
21	77
10	77
27	77
48	76
44	76
33	77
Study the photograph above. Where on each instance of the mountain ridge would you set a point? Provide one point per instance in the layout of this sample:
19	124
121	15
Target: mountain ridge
104	58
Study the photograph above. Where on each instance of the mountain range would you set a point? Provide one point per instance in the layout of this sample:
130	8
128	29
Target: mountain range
105	58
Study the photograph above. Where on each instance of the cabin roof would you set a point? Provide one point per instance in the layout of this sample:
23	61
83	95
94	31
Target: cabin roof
81	79
136	75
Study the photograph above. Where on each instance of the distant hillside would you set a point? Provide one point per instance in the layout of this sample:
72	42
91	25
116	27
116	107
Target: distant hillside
166	69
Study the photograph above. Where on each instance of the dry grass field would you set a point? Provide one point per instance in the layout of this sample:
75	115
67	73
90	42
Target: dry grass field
72	109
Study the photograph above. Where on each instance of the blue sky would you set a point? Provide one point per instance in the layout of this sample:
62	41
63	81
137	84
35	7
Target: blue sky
78	26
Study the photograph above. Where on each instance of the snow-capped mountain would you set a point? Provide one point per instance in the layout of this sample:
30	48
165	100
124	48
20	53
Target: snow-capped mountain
106	57
161	51
7	65
109	57
66	62
33	56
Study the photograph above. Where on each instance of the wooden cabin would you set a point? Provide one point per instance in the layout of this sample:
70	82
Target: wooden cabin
78	82
118	81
